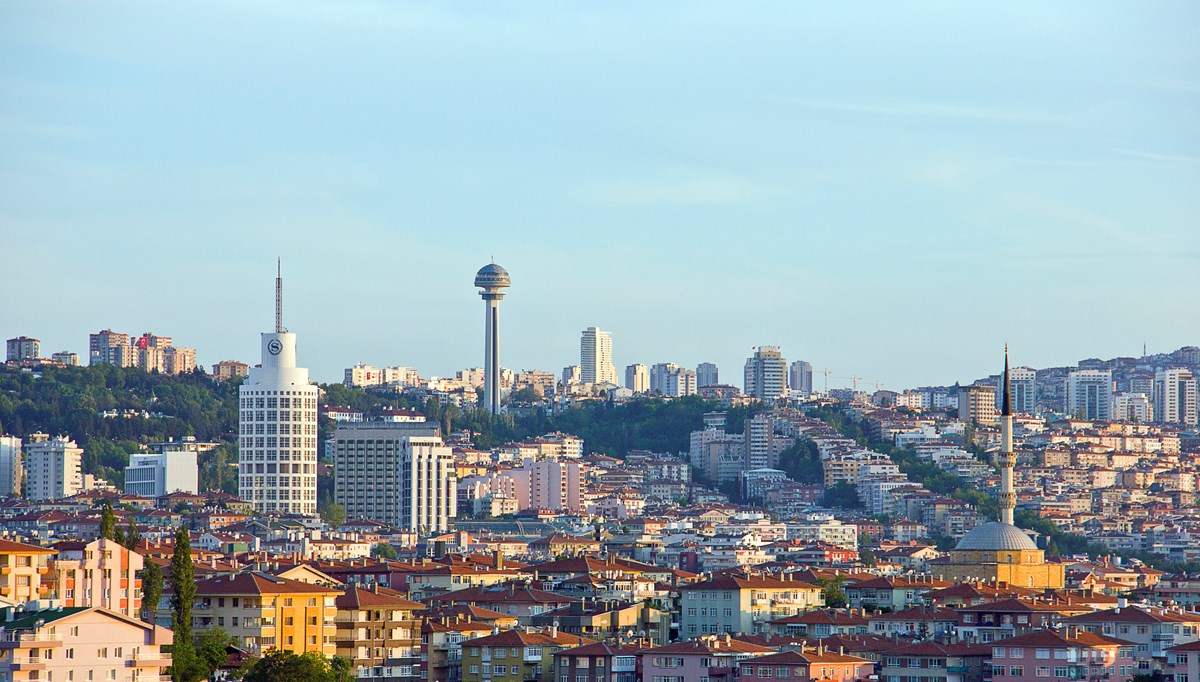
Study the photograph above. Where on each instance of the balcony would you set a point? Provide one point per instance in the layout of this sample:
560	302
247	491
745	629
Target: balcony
29	662
33	638
155	658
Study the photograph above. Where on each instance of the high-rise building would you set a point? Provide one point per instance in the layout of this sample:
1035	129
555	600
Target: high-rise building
766	374
100	573
977	404
1175	397
637	378
1089	394
109	347
157	474
53	467
555	484
398	473
1132	407
595	357
801	378
493	280
1023	385
23	348
277	451
706	375
571	374
658	376
12	469
671	380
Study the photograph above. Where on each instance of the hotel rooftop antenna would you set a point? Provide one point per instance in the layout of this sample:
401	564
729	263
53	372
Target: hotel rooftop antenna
279	296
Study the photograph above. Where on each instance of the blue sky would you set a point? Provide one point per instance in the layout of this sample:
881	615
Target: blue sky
891	190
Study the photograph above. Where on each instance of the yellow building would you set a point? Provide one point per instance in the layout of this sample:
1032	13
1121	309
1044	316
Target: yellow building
22	568
264	611
1002	552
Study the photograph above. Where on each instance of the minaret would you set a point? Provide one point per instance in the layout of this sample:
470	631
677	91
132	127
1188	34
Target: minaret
492	279
1006	459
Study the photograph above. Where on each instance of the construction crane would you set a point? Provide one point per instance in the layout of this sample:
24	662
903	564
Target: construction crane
853	379
826	372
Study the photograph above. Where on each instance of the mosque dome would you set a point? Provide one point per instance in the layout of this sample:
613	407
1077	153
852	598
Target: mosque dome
996	536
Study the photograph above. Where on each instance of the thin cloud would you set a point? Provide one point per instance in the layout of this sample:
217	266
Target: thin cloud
1151	156
933	110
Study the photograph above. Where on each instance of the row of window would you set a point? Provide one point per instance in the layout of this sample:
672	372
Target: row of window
270	402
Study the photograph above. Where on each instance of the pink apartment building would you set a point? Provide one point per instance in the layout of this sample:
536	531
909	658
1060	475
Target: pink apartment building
810	664
1068	655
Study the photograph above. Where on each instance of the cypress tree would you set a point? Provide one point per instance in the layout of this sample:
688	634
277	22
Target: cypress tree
183	582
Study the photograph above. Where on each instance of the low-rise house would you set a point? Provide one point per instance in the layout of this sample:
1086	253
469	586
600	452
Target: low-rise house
918	621
1008	617
932	660
521	601
515	655
743	603
821	623
598	662
715	657
1073	654
818	663
1152	631
891	593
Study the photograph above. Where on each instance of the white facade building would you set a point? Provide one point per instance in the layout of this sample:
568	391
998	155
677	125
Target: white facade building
160	473
12	470
766	374
277	453
398	473
1175	397
1132	407
1023	386
1090	393
595	357
53	467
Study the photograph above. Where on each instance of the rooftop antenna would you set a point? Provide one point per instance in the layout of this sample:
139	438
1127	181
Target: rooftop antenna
279	296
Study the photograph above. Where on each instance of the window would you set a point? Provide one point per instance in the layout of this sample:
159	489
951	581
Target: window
783	671
1042	654
1016	670
1016	652
1042	671
998	652
764	671
1060	671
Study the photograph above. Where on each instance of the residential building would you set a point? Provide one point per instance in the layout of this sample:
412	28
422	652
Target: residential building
555	485
765	374
1071	654
515	655
66	357
378	631
1132	407
595	357
159	473
53	467
742	603
12	467
977	404
262	611
809	663
23	348
598	662
800	378
1152	631
571	375
398	473
637	378
1089	394
82	643
1022	390
100	573
21	569
932	660
229	369
706	375
671	380
715	658
111	348
277	453
1175	400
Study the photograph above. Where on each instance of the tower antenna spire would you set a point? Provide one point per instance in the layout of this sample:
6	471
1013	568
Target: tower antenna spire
279	296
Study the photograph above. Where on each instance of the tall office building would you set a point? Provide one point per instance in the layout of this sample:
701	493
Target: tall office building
1089	394
1022	383
977	404
277	455
1175	397
706	375
12	469
766	374
801	378
595	357
159	473
637	378
493	280
398	473
53	467
23	348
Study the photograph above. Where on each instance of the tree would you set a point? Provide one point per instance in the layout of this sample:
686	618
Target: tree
132	536
108	522
384	551
835	597
210	649
334	514
185	667
152	589
278	665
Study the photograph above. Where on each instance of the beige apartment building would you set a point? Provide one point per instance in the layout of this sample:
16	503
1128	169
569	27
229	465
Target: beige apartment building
22	572
99	573
263	611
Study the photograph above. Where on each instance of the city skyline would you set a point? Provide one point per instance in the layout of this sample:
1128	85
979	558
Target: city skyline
158	174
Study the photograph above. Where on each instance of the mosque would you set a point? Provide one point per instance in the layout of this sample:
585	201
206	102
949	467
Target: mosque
999	550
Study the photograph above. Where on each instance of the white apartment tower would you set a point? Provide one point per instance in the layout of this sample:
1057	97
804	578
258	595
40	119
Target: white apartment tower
157	474
277	454
398	473
12	470
707	375
1089	394
1132	407
53	467
637	378
595	357
1175	397
801	378
766	374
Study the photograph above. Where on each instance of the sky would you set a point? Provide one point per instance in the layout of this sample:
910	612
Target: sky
887	190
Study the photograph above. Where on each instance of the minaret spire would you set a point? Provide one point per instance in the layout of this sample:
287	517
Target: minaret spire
279	296
1006	406
1006	459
